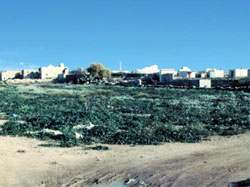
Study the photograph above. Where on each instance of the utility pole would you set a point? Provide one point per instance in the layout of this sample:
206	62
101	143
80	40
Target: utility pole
120	66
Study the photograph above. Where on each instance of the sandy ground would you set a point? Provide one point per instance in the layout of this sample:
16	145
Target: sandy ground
23	162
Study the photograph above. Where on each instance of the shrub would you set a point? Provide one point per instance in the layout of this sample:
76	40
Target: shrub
122	115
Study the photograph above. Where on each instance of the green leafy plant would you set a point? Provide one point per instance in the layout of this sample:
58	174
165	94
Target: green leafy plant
74	115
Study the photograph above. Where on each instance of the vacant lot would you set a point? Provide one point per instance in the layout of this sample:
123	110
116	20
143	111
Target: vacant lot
71	115
103	118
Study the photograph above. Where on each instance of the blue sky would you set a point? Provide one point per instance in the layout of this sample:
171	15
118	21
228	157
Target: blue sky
169	33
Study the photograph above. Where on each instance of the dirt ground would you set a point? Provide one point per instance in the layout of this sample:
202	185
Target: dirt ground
217	162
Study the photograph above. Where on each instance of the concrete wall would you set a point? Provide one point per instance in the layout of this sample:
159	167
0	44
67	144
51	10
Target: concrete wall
183	74
198	83
166	77
216	74
201	74
192	75
167	71
5	75
185	69
30	73
238	73
204	83
230	83
53	72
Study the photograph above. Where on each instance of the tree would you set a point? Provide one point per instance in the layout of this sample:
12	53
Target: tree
106	73
80	76
98	71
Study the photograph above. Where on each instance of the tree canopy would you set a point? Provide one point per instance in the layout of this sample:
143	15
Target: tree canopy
98	71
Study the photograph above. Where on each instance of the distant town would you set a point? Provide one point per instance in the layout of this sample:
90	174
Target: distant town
184	77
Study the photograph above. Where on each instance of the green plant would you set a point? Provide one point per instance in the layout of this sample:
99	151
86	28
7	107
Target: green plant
118	115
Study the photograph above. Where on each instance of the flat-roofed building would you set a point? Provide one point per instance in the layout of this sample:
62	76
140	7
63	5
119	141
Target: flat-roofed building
204	83
185	72
201	74
5	75
209	69
191	83
185	69
238	73
30	73
167	74
53	72
168	71
216	73
148	70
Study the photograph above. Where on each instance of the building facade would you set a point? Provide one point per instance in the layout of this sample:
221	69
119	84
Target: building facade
204	83
30	74
167	75
148	70
216	74
185	72
238	73
5	75
53	72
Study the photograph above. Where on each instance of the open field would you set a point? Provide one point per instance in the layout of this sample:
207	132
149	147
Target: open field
71	115
104	117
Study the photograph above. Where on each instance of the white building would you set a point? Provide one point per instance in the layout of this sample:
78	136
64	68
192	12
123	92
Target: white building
167	74
149	70
167	71
184	72
118	71
53	72
216	73
192	75
201	74
238	73
204	83
209	69
30	73
5	75
185	69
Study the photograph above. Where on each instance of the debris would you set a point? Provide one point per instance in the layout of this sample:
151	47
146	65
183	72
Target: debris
21	151
78	135
14	115
51	132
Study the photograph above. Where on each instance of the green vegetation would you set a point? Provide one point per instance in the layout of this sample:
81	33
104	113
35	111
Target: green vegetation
94	74
72	115
97	70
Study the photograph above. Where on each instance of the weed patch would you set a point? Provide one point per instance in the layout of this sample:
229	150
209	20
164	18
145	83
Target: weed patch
118	115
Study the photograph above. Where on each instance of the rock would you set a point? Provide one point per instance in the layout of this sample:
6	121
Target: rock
77	127
91	125
88	126
129	181
51	132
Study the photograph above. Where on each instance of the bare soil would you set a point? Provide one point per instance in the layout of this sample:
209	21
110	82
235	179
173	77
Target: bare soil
218	162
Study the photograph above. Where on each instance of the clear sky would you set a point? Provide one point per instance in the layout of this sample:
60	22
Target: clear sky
169	33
